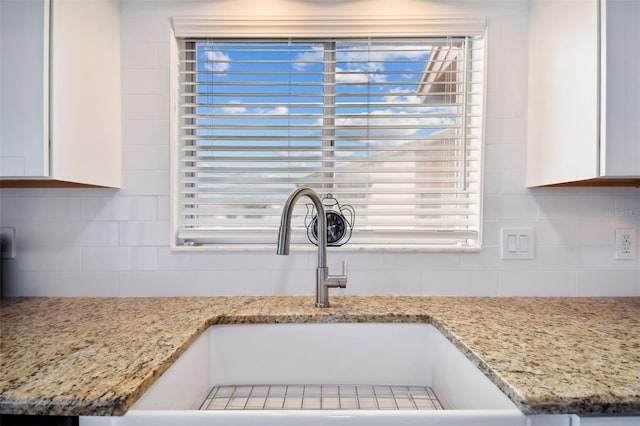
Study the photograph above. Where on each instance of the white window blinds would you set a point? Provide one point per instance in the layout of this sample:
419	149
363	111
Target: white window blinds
392	127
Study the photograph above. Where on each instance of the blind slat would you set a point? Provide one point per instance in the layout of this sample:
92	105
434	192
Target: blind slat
324	180
267	203
211	161
303	138
300	148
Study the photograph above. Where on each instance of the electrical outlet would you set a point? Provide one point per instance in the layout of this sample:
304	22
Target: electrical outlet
8	242
625	244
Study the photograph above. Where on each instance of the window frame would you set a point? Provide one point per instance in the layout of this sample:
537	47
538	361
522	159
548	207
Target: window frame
308	27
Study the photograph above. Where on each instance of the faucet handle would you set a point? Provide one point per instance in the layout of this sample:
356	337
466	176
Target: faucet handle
342	278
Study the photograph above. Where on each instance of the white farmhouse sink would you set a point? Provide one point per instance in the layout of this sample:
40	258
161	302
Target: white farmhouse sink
321	354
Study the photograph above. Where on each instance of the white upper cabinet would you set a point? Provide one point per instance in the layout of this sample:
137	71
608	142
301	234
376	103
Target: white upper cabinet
60	111
620	138
24	88
584	94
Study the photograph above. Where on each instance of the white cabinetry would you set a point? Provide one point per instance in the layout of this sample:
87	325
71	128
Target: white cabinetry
590	420
24	88
60	109
584	94
620	420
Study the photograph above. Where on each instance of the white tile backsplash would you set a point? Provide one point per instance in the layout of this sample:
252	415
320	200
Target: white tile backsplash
145	157
627	207
148	233
514	131
151	132
379	282
228	282
144	26
487	260
572	207
39	208
509	207
68	234
118	208
141	106
505	156
119	258
157	283
596	258
145	182
142	55
491	182
63	284
555	233
145	81
422	261
559	258
104	242
460	283
513	181
45	259
608	283
533	283
596	232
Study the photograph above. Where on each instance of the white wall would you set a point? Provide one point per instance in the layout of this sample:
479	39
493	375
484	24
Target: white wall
94	242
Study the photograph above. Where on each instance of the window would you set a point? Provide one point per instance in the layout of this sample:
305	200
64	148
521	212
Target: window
391	126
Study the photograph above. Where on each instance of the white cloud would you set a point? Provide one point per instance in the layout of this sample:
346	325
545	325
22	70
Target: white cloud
279	110
315	55
359	59
218	59
239	109
379	53
403	99
358	73
236	107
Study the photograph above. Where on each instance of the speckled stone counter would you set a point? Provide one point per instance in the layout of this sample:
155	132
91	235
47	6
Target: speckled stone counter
96	356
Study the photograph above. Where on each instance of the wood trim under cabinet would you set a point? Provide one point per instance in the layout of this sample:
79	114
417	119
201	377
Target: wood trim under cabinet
632	182
44	183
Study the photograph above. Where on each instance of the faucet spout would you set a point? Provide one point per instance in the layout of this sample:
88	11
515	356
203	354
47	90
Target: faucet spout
324	280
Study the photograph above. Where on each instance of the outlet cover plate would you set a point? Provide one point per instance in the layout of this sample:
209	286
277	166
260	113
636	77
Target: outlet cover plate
625	244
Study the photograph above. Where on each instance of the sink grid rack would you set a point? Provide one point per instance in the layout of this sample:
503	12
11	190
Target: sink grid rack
321	397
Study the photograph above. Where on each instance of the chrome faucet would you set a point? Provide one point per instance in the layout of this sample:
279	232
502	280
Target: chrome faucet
324	281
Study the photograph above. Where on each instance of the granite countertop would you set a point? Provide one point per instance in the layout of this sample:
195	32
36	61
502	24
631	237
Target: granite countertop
96	356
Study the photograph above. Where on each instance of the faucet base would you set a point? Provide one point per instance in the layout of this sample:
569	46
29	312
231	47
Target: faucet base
325	281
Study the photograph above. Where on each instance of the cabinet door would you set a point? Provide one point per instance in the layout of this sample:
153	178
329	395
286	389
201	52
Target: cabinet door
620	115
24	88
609	421
551	420
562	143
85	92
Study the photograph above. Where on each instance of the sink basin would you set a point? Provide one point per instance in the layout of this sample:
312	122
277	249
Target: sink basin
321	354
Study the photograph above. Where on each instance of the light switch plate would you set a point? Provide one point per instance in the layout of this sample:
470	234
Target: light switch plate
517	243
